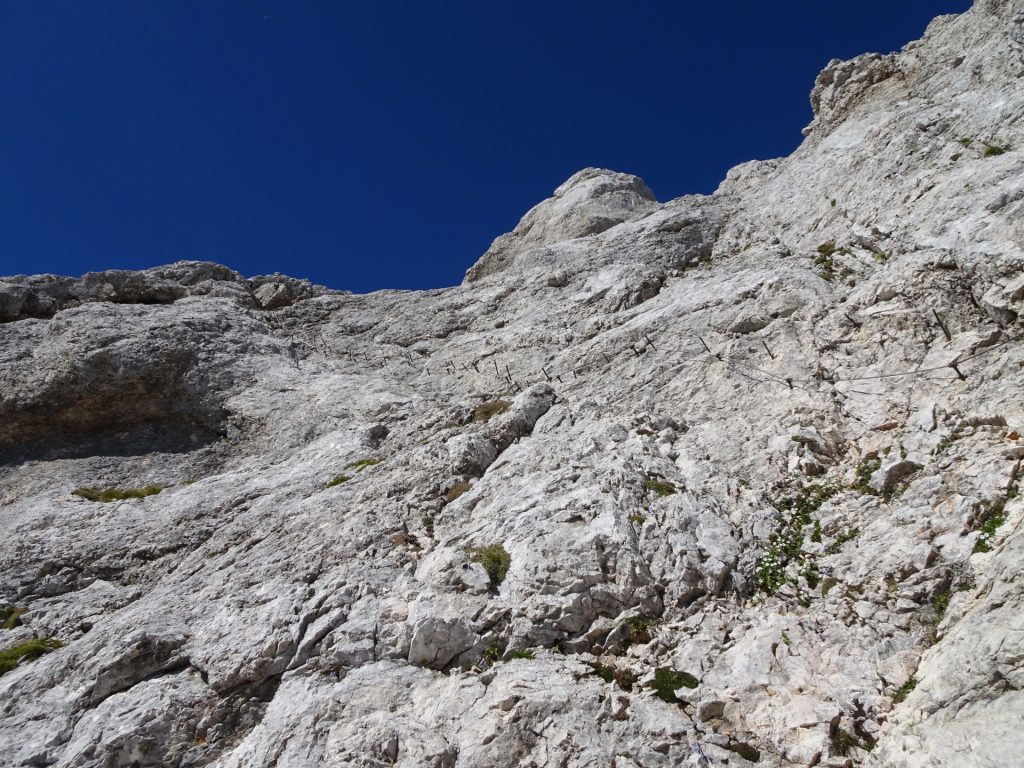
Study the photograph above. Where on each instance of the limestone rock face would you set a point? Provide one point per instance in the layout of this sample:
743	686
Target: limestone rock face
589	203
728	480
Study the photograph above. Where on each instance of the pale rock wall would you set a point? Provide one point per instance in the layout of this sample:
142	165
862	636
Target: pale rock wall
801	515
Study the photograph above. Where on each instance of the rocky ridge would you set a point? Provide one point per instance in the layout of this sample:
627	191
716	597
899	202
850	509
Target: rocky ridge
726	480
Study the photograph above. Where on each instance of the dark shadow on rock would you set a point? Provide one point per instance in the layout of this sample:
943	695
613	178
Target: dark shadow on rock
176	435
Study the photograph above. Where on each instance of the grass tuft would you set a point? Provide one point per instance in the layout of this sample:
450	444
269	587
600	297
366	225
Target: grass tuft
940	602
457	489
338	480
844	741
485	411
494	559
360	464
904	690
11	617
117	494
27	651
660	487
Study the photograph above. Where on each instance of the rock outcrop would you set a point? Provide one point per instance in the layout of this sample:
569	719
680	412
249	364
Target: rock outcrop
727	480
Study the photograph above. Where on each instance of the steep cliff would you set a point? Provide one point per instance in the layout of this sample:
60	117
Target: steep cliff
729	480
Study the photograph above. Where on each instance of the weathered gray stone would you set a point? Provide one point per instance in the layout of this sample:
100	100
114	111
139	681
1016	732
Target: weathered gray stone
323	578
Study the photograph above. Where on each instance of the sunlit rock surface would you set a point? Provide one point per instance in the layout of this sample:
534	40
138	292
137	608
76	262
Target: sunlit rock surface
726	480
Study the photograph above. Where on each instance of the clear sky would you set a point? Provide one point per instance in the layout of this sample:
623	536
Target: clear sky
382	144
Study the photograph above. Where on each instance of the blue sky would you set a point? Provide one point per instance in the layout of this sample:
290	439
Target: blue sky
382	144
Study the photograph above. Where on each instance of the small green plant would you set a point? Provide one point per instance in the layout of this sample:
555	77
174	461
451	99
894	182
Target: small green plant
816	532
863	474
523	654
811	576
660	487
457	489
338	480
667	681
826	262
994	150
904	690
11	617
360	464
940	602
637	519
495	561
844	741
117	494
785	545
805	500
638	629
966	142
992	519
827	583
626	680
485	411
27	651
841	538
